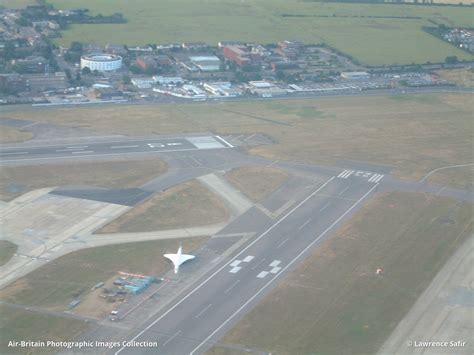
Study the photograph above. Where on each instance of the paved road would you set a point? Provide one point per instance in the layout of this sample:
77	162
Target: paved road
117	147
216	301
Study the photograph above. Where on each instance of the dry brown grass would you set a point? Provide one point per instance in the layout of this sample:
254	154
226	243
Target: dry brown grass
463	76
7	249
257	182
186	205
412	133
12	135
119	173
334	303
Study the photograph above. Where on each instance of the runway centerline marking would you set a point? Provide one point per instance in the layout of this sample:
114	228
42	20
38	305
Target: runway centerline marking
189	294
78	147
13	153
82	151
337	197
304	224
203	311
282	271
232	286
340	193
174	336
325	206
123	146
283	242
257	264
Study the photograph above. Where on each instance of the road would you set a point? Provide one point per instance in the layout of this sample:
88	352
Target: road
117	147
216	301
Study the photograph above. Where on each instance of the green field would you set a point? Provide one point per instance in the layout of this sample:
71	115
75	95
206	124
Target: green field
334	303
378	39
7	249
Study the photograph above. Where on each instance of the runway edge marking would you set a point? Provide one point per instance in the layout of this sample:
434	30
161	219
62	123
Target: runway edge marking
227	263
282	271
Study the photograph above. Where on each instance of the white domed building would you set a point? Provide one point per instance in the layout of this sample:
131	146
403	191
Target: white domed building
101	62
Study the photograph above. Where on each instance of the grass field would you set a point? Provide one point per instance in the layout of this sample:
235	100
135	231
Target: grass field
17	4
54	285
413	133
20	325
11	135
120	173
371	33
463	77
178	207
7	249
334	303
256	182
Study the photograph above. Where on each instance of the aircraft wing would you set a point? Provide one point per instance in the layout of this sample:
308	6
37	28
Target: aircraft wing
173	258
186	257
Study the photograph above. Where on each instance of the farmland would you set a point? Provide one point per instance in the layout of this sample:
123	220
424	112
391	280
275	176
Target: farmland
373	34
335	303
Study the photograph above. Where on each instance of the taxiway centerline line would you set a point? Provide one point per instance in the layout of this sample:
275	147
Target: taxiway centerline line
283	270
189	294
304	224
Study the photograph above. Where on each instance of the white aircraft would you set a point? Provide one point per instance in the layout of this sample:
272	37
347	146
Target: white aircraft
178	258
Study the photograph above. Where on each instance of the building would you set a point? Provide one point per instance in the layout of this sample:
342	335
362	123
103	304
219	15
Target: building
117	49
12	83
101	62
30	65
265	89
168	80
41	82
290	49
354	75
241	56
146	62
206	63
222	88
195	45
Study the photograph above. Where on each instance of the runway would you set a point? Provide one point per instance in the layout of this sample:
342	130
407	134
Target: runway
118	147
214	303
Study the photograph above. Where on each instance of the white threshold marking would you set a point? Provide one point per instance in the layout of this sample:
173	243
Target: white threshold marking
224	141
282	243
258	264
189	294
275	263
235	263
275	270
304	224
235	270
248	259
285	268
345	189
123	146
324	207
174	336
231	286
83	152
203	311
262	274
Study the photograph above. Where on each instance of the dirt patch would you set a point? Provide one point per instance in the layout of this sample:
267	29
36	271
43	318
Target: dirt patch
186	205
13	135
257	182
7	249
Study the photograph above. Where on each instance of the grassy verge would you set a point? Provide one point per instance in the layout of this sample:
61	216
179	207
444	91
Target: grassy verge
186	205
413	133
18	325
119	173
257	182
12	135
54	285
7	249
463	77
334	303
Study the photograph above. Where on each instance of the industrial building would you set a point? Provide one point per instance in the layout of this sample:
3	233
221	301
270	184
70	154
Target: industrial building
206	63
241	56
355	75
101	62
